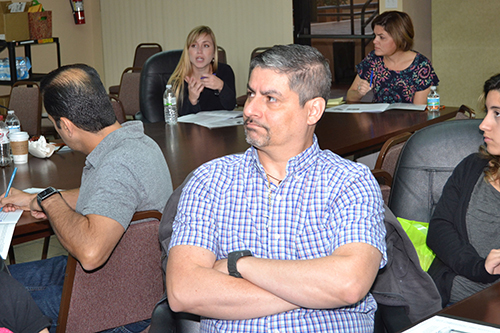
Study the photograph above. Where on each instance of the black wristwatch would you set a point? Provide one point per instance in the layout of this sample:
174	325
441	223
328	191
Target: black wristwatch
232	258
49	191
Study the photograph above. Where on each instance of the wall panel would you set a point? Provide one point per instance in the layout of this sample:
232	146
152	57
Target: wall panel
239	26
465	48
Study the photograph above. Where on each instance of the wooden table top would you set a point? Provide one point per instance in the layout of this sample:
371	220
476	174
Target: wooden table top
187	146
483	306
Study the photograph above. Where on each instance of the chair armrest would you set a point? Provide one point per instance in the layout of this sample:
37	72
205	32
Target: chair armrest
380	174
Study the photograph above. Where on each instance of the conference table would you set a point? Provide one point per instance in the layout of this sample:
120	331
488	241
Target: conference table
187	146
483	306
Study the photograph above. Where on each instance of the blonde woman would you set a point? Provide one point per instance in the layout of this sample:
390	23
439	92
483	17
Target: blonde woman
200	82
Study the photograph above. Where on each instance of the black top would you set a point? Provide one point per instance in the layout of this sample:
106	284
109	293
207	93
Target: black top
211	100
18	311
447	235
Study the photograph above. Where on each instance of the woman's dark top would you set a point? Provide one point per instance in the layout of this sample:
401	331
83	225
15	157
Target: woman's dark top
447	235
211	100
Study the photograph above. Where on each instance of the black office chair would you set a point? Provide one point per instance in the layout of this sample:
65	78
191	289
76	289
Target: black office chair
426	163
154	77
163	319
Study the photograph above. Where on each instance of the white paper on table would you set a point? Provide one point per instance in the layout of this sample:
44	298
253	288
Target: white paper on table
7	225
441	324
375	107
214	119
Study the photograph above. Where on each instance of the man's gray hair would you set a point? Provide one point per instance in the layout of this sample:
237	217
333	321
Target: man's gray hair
307	69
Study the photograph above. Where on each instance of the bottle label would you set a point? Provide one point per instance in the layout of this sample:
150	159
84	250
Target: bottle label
3	136
171	100
14	128
433	103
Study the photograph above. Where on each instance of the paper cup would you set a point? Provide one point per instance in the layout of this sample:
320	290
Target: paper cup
19	146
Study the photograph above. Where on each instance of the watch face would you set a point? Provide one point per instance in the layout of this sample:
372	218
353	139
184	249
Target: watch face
47	193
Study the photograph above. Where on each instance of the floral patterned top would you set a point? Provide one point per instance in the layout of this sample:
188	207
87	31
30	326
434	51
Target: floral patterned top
397	86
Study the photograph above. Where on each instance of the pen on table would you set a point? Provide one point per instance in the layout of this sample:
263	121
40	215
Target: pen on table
371	78
10	185
59	148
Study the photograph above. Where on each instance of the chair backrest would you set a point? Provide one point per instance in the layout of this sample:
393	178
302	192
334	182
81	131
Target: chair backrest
465	112
26	101
143	51
129	91
124	290
258	51
426	162
240	100
154	77
162	316
118	108
386	163
390	151
222	54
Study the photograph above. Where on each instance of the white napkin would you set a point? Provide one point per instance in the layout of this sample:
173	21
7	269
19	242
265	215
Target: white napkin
41	148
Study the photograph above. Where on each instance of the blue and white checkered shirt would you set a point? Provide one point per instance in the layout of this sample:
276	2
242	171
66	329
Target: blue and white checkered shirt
323	203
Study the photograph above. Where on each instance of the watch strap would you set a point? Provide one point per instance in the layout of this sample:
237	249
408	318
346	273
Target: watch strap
232	259
48	192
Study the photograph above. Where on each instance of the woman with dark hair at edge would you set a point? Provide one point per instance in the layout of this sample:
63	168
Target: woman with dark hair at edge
394	72
464	231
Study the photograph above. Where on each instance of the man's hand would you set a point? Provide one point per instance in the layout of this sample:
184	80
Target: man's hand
36	210
16	199
492	263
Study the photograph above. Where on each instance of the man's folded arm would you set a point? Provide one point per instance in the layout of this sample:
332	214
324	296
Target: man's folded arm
340	279
194	286
268	286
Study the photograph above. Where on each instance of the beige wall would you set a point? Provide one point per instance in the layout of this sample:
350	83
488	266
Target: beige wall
420	13
466	48
239	26
79	43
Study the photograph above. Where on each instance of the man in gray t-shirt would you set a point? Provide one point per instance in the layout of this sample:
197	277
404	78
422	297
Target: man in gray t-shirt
125	172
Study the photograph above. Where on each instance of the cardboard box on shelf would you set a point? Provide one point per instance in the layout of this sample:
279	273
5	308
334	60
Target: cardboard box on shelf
40	24
14	26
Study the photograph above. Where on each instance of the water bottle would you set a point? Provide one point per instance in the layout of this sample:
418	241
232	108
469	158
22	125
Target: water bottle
433	104
5	158
170	106
12	122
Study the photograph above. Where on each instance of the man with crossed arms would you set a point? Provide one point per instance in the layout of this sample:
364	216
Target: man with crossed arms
285	237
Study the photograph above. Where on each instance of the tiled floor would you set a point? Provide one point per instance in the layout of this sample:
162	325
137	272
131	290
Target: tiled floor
31	251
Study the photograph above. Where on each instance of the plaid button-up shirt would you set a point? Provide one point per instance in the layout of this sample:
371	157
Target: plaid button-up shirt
323	203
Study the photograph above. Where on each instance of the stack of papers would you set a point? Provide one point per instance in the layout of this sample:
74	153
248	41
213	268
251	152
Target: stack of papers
334	102
441	324
7	225
376	107
214	119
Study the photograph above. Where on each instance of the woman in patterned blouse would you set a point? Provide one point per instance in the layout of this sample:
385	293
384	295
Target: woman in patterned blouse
394	72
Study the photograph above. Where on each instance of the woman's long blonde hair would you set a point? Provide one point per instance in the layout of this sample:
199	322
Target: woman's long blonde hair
185	68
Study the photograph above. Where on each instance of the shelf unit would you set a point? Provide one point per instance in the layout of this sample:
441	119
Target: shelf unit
11	46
